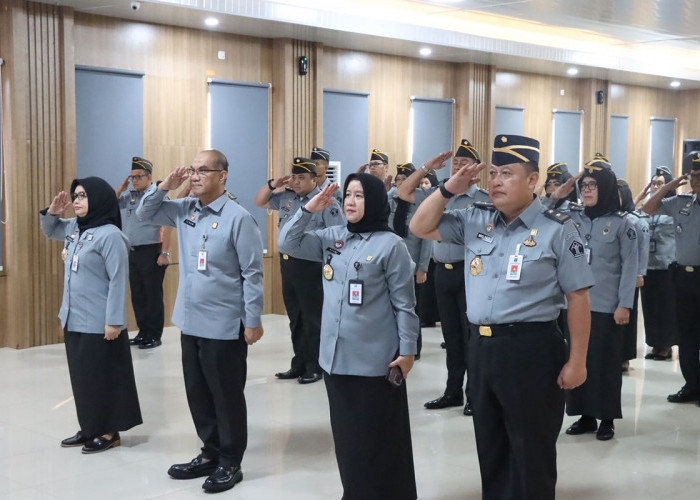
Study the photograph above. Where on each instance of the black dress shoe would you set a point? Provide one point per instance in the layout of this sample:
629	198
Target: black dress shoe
663	354
443	345
606	430
683	396
468	409
101	444
582	426
136	340
289	374
428	325
444	402
150	343
77	440
309	378
193	469
223	478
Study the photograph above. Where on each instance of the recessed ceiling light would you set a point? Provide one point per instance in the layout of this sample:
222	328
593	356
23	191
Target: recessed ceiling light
425	51
572	71
675	84
211	21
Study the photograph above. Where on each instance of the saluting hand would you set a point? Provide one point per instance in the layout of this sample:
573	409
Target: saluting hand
252	335
174	179
60	204
465	178
122	187
282	181
437	162
676	183
565	189
387	181
405	362
362	168
322	200
112	332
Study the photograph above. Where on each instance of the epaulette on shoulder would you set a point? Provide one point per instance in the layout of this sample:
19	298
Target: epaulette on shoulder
639	214
556	215
575	206
231	196
484	205
483	191
685	194
621	213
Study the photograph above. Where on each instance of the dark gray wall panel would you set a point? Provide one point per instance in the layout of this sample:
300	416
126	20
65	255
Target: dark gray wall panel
618	145
510	120
432	130
663	131
567	138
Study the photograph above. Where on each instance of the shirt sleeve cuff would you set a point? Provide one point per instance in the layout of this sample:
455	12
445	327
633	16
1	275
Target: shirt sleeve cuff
255	322
408	348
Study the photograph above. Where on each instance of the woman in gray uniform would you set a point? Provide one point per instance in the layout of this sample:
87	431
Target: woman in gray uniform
658	291
610	246
368	337
93	312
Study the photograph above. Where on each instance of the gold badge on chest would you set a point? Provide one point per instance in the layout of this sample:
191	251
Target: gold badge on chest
328	272
64	254
530	241
475	266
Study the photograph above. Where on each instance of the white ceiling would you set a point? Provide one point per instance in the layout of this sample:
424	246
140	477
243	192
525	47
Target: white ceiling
645	42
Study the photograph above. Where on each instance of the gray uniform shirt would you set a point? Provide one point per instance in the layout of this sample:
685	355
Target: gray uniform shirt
662	242
611	241
287	203
553	266
685	210
94	295
338	195
640	220
419	249
212	303
449	252
138	231
364	339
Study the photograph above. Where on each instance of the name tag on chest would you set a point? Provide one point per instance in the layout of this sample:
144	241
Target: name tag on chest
515	267
485	237
355	292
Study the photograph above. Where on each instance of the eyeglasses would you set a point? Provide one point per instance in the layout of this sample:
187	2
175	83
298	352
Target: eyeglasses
78	196
138	177
376	164
202	171
589	186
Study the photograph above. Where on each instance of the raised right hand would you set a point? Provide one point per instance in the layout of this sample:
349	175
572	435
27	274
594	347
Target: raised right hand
464	178
282	181
437	162
322	200
174	179
60	204
362	168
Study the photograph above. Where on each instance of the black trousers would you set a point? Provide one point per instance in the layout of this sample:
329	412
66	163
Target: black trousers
629	331
518	409
658	304
302	291
687	285
452	306
215	375
426	298
146	282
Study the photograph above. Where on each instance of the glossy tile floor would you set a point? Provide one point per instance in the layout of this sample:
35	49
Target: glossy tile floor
655	454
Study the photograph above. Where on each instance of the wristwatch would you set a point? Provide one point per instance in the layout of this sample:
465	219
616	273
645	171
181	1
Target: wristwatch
425	169
165	254
443	190
269	184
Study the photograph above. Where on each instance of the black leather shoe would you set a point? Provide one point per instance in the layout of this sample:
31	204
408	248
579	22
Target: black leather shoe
101	444
663	354
606	430
223	478
683	396
77	440
443	345
288	375
150	343
196	468
582	426
136	340
444	402
309	378
468	410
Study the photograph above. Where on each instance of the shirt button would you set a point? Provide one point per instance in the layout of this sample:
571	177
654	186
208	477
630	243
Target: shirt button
501	254
490	297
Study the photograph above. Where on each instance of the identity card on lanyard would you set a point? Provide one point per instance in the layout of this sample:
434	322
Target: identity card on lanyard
515	265
202	256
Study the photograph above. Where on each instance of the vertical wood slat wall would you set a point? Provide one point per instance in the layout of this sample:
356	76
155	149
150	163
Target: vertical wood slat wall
41	45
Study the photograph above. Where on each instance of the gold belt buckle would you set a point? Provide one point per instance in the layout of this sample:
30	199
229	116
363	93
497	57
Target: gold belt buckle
449	266
285	256
485	331
689	269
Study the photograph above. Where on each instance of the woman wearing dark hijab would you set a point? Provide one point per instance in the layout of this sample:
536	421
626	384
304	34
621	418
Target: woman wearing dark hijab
93	312
658	293
641	225
610	245
368	337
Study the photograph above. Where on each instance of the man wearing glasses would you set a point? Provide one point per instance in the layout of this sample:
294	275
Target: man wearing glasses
218	308
148	257
302	288
378	166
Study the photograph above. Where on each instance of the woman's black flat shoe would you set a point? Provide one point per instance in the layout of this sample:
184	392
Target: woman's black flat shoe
101	443
77	440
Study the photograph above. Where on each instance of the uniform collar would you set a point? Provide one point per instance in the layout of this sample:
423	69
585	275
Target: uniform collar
528	216
362	236
310	194
215	206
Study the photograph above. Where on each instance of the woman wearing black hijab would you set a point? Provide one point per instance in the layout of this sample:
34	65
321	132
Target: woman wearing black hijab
641	225
93	312
610	245
369	332
658	293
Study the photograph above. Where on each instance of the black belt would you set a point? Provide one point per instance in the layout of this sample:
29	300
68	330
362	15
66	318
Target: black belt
285	256
511	329
687	269
451	265
145	247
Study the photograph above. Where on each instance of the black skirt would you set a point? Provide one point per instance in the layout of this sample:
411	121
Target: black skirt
629	331
600	394
658	304
372	436
102	378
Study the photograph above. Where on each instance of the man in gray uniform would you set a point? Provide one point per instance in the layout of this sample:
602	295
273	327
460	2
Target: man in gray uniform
523	261
321	157
148	258
302	289
449	279
218	308
685	271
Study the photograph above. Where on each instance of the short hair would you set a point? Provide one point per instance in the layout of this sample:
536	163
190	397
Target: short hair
530	166
220	160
